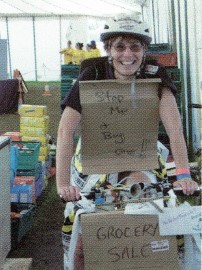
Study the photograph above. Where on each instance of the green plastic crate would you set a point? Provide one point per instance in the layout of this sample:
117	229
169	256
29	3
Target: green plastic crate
34	172
159	47
22	225
28	154
174	74
71	70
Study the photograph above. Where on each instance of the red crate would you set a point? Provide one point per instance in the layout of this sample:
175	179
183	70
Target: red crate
166	59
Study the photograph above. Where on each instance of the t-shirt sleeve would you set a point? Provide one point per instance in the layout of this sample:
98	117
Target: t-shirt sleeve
72	99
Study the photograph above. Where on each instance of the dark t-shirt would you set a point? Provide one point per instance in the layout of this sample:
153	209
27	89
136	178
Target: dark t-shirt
104	71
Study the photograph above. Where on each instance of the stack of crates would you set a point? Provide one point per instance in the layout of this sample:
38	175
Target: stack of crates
69	74
34	126
163	54
27	179
26	185
174	74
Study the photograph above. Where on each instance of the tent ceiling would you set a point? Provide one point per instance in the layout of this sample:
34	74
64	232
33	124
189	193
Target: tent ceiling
69	7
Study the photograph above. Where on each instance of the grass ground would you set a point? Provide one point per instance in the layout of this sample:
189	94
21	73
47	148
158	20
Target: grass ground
11	122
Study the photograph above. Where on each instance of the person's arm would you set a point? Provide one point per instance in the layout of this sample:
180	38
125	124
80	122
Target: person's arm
171	120
67	126
62	51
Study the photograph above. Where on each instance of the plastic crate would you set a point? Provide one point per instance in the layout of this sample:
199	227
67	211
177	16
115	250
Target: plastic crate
166	59
28	154
71	70
21	225
14	156
66	79
174	74
159	47
178	98
34	172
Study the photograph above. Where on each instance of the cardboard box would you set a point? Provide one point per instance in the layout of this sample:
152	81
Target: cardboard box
115	241
119	128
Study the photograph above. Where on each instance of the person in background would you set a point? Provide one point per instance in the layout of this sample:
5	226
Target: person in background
68	53
126	48
95	50
88	52
79	53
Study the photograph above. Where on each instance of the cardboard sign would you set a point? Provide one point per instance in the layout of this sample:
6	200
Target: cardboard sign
115	241
119	128
170	222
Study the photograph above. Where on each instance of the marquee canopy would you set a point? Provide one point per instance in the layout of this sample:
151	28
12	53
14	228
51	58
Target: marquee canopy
12	8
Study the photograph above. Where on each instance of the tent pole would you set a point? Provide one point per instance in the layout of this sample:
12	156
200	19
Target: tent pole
154	25
189	87
60	26
35	58
173	19
183	85
9	50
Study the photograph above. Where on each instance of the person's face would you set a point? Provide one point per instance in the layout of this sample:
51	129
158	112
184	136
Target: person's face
127	55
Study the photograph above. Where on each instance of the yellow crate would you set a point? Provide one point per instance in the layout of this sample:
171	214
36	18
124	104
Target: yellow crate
40	122
32	110
43	158
33	131
44	151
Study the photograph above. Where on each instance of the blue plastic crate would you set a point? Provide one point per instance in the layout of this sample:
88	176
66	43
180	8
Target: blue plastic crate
28	154
14	155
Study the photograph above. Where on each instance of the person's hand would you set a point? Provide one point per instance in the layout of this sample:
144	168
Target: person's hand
187	184
69	193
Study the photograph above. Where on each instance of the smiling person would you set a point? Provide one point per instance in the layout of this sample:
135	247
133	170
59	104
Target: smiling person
125	41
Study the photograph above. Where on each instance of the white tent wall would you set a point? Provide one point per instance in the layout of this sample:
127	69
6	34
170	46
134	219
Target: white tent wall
51	34
189	40
195	41
159	21
34	40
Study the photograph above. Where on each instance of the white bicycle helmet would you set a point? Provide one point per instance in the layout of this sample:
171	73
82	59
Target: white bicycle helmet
126	24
